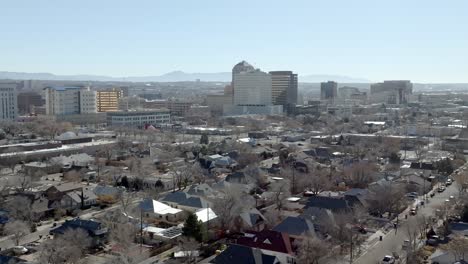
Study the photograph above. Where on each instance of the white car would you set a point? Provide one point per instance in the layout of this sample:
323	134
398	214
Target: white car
19	250
388	260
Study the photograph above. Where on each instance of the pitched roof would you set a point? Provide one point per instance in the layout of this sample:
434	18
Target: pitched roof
92	227
267	239
88	195
150	205
331	203
106	190
67	187
236	254
184	199
205	214
252	217
295	226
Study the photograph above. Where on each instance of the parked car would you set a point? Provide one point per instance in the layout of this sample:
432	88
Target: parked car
388	260
19	250
448	182
413	211
441	189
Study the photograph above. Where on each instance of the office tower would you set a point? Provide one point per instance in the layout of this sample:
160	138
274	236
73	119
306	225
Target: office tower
108	100
252	92
8	101
252	88
27	101
284	88
329	91
70	100
242	66
391	92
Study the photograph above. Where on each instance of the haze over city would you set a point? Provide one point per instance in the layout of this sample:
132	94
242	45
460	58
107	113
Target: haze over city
233	132
424	41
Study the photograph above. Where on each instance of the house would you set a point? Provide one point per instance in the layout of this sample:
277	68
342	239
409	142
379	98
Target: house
96	230
319	216
252	219
107	194
164	234
296	226
335	204
459	228
160	211
206	215
56	192
443	257
11	260
268	240
184	201
236	254
78	199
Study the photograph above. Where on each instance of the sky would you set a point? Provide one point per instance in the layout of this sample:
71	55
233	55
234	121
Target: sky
419	40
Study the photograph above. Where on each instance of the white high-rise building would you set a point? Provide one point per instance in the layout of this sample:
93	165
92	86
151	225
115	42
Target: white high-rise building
70	100
8	101
252	88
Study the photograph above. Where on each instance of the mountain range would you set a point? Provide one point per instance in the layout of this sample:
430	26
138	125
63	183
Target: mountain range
175	76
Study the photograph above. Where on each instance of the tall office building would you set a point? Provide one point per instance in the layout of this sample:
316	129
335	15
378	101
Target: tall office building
108	100
70	100
252	92
284	88
329	91
252	88
8	101
28	101
391	92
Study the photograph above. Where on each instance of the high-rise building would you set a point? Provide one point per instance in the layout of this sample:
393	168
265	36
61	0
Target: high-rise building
252	88
27	101
8	101
329	91
108	100
252	92
391	92
69	100
284	88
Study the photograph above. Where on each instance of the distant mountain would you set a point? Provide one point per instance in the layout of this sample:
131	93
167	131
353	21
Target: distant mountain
337	78
175	76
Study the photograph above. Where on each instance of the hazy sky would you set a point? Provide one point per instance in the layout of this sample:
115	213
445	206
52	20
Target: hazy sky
421	40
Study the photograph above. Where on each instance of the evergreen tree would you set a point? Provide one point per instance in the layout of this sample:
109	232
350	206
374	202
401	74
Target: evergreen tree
204	139
192	228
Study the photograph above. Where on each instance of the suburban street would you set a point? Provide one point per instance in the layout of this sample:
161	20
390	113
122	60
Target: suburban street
393	241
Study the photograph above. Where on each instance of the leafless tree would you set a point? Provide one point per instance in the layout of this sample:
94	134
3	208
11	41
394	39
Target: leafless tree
316	181
312	250
280	192
19	207
72	176
458	247
228	207
67	248
387	198
360	174
412	233
461	180
18	229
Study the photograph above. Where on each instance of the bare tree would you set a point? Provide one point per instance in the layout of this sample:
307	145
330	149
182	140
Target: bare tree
280	192
412	233
67	248
461	180
458	247
312	250
316	181
72	176
360	174
387	198
19	207
228	207
18	229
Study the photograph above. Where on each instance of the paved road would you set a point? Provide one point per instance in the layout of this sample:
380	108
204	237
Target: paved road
392	241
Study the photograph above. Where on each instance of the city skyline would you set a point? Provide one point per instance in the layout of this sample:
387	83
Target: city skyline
361	39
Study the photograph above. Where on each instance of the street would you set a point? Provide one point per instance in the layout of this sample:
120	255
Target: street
393	241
